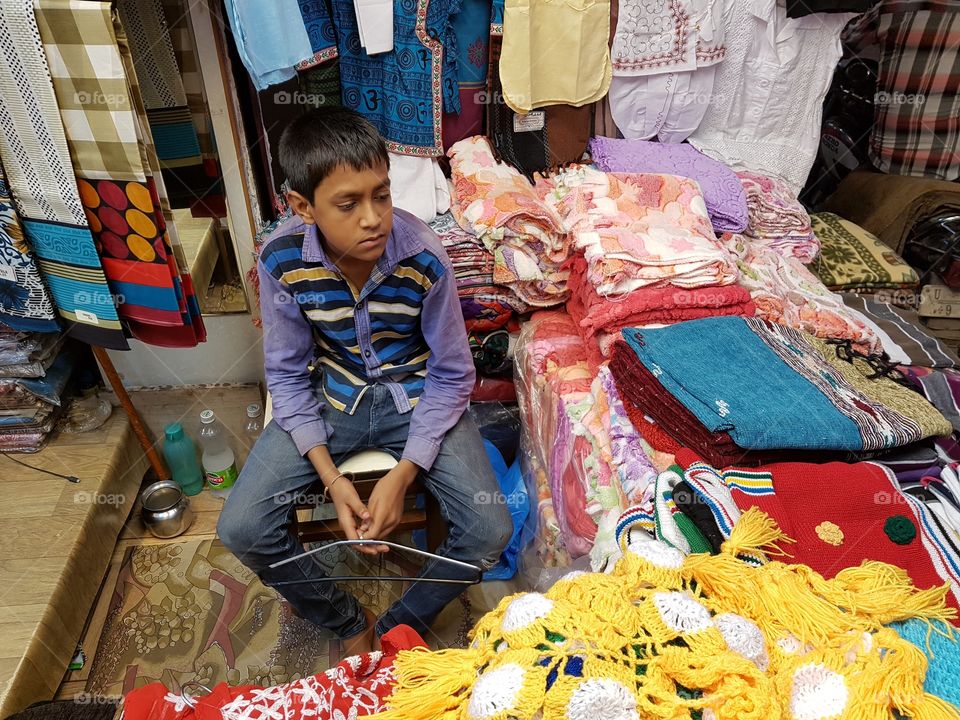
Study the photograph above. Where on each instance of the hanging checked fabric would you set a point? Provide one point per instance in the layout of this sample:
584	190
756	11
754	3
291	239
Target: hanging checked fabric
44	187
25	304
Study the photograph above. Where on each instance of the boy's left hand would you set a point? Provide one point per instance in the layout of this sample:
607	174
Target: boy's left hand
386	504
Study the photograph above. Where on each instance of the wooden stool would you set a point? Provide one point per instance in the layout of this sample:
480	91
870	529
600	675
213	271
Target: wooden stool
366	467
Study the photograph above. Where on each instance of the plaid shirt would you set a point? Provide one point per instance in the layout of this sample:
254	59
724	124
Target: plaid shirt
917	108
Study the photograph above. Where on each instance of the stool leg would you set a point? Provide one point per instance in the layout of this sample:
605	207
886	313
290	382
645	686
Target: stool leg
436	525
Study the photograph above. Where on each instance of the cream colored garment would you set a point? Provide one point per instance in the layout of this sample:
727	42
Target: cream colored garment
555	53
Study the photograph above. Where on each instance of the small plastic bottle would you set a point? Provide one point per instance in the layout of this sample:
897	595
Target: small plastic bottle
219	464
181	456
254	423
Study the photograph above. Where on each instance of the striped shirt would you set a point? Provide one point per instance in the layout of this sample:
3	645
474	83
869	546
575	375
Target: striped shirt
916	128
403	329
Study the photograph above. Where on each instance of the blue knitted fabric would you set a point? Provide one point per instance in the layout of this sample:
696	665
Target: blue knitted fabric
721	371
942	678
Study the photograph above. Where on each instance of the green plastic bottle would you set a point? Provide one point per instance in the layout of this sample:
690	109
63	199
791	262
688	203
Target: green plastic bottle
181	456
219	464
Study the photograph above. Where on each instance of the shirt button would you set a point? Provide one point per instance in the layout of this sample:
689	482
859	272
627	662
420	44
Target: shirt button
366	353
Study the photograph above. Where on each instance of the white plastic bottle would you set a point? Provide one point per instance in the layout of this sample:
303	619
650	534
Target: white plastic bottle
219	464
254	423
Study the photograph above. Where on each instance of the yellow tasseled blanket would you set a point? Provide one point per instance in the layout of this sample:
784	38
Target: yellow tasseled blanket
703	637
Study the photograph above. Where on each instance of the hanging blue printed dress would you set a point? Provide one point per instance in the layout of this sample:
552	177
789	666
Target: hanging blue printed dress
403	92
323	38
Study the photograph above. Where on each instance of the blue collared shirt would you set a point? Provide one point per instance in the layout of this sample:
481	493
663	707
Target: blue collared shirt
403	329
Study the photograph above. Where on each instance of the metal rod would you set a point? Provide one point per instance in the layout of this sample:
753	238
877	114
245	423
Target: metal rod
395	546
381	578
136	422
478	572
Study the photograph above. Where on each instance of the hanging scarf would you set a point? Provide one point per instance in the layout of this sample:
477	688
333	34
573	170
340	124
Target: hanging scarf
37	162
119	197
25	304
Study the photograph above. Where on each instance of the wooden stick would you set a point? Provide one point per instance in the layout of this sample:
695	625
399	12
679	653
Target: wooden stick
159	468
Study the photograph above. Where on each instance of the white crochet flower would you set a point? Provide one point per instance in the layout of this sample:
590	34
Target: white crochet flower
495	691
525	610
604	698
818	693
744	638
681	612
657	553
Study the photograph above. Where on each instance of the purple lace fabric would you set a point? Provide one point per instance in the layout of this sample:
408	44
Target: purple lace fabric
722	190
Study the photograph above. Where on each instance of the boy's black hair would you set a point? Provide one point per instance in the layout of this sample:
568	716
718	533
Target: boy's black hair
314	144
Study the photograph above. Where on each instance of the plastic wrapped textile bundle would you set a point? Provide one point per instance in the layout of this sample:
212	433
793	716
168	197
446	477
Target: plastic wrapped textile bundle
589	461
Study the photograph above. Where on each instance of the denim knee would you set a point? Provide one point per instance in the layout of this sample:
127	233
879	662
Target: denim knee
492	534
237	535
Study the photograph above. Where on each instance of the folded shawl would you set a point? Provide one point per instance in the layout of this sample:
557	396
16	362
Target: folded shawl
498	205
786	292
901	333
723	192
854	258
772	387
638	230
602	319
776	217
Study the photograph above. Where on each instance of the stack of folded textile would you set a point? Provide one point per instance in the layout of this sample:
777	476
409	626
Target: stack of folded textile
489	310
777	219
854	260
30	407
723	192
486	306
28	355
500	207
638	231
601	319
742	389
786	292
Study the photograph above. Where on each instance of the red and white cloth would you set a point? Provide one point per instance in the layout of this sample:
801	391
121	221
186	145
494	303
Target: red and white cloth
356	687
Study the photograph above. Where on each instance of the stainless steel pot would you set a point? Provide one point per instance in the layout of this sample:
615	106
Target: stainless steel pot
165	510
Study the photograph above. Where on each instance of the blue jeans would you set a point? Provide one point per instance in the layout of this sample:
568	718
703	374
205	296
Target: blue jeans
255	521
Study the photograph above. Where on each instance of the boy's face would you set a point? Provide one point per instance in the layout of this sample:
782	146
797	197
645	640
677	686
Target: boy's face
353	211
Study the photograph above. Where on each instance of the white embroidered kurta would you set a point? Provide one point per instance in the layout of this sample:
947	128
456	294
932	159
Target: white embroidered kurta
664	58
767	103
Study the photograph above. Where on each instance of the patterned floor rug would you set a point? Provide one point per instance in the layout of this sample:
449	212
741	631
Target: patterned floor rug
192	613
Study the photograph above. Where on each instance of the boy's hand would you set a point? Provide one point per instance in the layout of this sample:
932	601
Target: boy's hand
386	503
351	512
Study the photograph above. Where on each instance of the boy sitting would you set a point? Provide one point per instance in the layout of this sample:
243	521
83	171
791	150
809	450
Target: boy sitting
368	294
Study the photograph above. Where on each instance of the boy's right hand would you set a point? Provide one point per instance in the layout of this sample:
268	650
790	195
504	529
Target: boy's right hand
351	512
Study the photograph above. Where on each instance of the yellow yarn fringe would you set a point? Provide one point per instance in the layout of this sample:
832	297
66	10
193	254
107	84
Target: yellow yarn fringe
754	532
797	600
431	684
639	627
